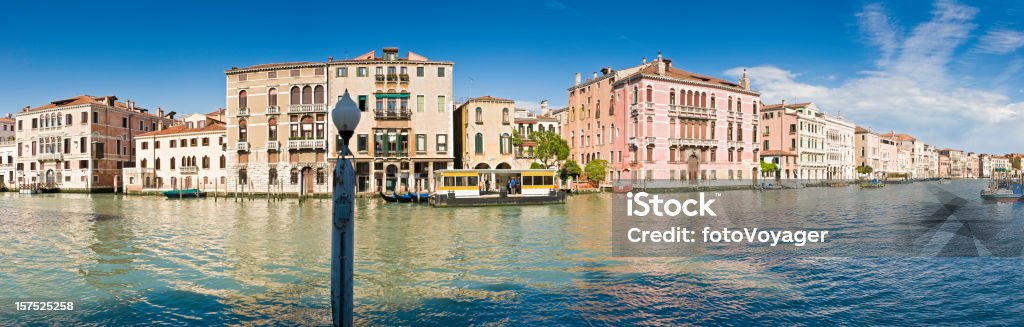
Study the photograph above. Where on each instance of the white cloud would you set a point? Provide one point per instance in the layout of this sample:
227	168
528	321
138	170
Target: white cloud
1001	41
910	90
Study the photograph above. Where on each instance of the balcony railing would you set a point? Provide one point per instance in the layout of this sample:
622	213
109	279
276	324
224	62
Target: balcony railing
696	142
243	111
527	154
400	114
379	77
307	144
137	170
51	156
735	144
242	147
301	108
189	170
273	110
634	141
273	146
6	165
695	112
392	77
650	140
403	77
391	153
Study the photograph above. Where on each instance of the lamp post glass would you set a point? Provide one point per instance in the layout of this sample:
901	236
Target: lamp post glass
345	116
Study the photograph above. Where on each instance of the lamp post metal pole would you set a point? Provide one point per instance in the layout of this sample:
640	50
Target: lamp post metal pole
342	238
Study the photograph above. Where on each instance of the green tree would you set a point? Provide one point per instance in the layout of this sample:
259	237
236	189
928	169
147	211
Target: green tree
536	165
596	170
768	167
864	170
551	148
517	140
570	168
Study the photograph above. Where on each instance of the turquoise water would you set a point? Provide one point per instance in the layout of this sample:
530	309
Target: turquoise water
146	260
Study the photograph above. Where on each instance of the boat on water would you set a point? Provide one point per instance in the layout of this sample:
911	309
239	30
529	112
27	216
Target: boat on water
487	187
405	197
191	193
1004	187
874	183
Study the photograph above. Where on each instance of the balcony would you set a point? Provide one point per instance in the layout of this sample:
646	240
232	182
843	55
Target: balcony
634	109
242	146
303	108
391	153
273	146
137	170
189	170
403	78
697	142
697	113
673	110
650	140
401	114
392	77
735	144
243	111
633	141
306	144
379	78
529	154
51	156
649	107
674	142
273	110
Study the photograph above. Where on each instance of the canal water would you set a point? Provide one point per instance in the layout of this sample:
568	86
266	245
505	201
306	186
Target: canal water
139	260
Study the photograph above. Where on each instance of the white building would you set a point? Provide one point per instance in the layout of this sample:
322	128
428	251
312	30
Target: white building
185	156
839	145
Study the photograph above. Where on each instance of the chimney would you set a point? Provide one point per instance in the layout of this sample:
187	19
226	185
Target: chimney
595	75
605	70
643	60
783	103
160	112
170	115
577	78
330	59
661	66
659	55
544	107
668	63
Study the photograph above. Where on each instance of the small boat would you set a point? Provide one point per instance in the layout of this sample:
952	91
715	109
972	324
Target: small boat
1001	195
389	197
187	193
874	183
405	198
1004	187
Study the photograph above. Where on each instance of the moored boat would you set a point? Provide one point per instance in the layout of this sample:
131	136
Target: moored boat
1004	187
389	197
186	193
874	183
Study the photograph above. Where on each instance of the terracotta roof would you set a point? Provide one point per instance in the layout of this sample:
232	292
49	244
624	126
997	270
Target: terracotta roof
779	106
652	69
861	130
281	64
776	153
905	137
7	120
182	129
85	99
489	98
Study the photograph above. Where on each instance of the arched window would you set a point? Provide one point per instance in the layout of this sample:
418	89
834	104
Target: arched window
293	96
318	94
243	176
739	105
243	101
272	176
243	130
703	99
272	97
223	162
272	129
689	98
729	104
611	105
143	163
479	145
321	178
307	127
504	116
294	178
307	95
636	95
206	162
650	126
67	119
506	143
156	163
672	96
650	94
479	115
712	101
172	162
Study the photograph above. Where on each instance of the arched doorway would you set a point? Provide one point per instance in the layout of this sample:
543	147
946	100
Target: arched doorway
503	165
307	180
482	165
390	178
51	178
692	168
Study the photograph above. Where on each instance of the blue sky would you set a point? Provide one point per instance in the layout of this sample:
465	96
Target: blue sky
946	72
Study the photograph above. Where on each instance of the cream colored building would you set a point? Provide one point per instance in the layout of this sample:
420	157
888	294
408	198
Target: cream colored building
483	135
189	155
8	150
839	147
278	122
81	143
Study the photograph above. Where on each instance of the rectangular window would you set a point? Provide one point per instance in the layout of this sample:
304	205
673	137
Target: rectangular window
442	143
272	74
362	143
419	71
82	145
242	77
206	141
342	72
419	103
174	143
362	71
440	103
319	71
440	71
362	103
95	117
35	123
156	144
144	145
85	117
124	122
295	73
83	164
421	142
67	145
